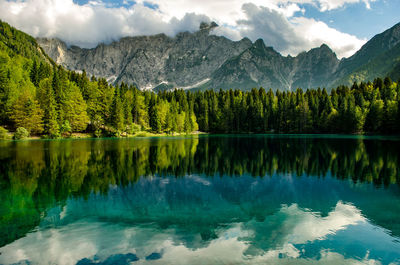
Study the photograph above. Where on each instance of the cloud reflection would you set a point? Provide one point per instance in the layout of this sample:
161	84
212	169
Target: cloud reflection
290	228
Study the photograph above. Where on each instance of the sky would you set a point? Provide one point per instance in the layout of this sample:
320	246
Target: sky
290	26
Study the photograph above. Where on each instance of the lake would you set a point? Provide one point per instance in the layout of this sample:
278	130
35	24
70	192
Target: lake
219	199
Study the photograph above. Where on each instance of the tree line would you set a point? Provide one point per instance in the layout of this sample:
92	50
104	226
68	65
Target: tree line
38	97
372	107
51	101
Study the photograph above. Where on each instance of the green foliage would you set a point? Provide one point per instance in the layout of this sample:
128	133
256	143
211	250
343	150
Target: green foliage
66	128
117	117
21	133
74	108
97	133
48	102
133	128
3	133
18	43
27	113
154	116
386	63
363	108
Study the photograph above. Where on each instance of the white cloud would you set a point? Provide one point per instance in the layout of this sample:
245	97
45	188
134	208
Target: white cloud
281	23
291	35
92	23
334	4
273	27
316	32
229	12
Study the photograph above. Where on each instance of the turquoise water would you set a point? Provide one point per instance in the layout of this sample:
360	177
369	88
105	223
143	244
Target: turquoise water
259	199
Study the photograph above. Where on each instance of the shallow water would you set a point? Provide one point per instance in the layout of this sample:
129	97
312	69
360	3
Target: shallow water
243	199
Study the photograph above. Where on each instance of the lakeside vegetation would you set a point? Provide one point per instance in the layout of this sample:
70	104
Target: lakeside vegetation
38	97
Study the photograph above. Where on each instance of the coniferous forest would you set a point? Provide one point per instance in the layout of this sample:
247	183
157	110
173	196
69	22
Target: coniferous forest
38	97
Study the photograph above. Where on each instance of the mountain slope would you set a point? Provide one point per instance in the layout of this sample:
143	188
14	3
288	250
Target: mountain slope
263	66
17	43
202	60
314	68
374	59
257	66
150	61
386	64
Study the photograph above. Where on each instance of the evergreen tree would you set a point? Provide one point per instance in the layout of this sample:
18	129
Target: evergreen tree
48	104
128	106
27	113
74	108
4	59
373	122
154	118
34	74
117	113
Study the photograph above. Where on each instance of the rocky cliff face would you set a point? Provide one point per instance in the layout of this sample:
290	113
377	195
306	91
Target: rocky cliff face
263	66
202	60
187	60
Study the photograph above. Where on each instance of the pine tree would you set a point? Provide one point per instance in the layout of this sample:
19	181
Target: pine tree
154	118
74	108
34	74
48	104
4	80
173	112
128	106
27	113
374	118
94	107
117	113
139	110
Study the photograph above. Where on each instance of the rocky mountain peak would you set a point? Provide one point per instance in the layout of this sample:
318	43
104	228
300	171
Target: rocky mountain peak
325	48
324	51
259	43
208	26
203	60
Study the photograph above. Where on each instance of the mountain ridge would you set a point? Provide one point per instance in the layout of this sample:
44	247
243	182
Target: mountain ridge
202	60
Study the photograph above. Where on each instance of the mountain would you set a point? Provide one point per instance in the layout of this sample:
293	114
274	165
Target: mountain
185	61
16	43
378	57
263	66
202	60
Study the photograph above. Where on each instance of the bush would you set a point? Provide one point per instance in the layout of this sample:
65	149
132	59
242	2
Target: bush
21	133
98	133
66	129
133	128
142	134
111	132
3	133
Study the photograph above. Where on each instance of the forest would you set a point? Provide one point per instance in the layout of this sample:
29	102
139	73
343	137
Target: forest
38	97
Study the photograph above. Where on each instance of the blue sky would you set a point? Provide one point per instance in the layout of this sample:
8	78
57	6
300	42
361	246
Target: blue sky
357	20
290	26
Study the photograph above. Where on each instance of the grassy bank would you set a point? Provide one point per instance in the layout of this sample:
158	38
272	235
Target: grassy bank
10	136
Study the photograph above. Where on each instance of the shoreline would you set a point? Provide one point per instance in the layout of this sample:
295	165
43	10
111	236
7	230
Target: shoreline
79	136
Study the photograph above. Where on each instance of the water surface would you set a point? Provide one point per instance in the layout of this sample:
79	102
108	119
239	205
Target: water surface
201	200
